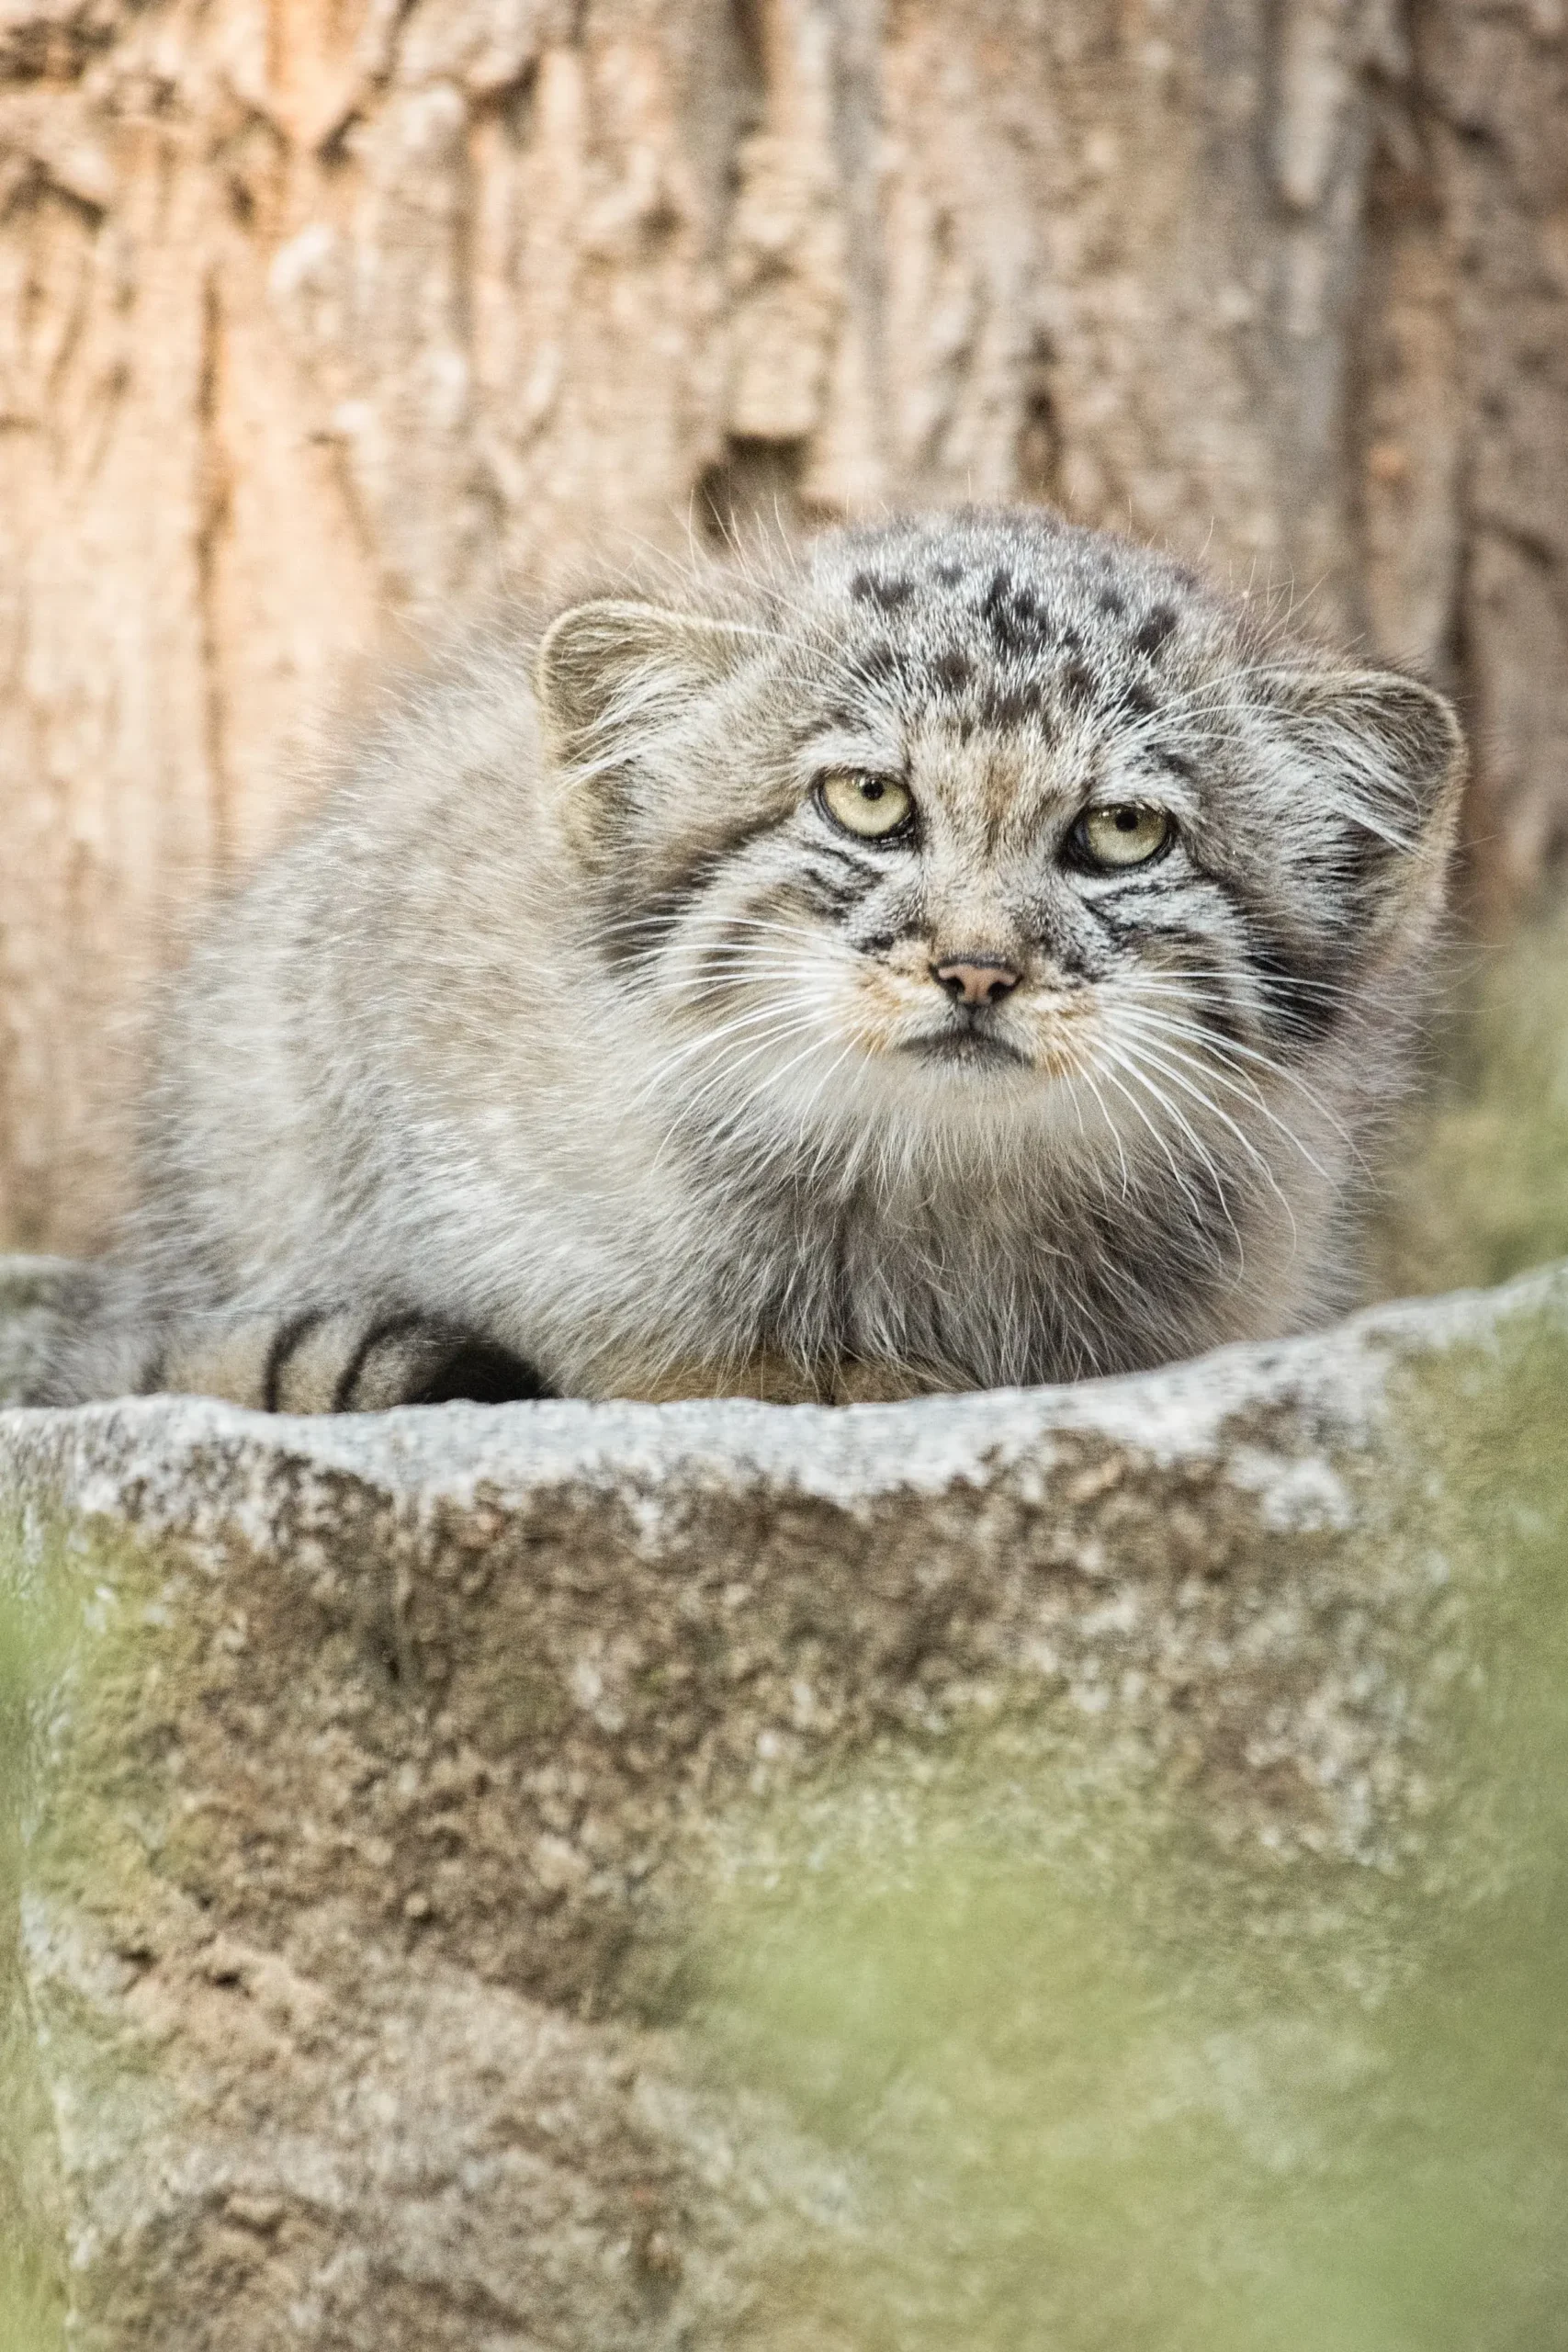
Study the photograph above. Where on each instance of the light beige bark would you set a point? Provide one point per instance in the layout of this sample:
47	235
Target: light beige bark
319	320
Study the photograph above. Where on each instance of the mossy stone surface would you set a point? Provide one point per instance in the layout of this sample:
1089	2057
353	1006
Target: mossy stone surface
391	1788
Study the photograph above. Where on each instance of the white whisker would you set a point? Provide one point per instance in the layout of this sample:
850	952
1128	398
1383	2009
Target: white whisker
1147	1058
1244	1087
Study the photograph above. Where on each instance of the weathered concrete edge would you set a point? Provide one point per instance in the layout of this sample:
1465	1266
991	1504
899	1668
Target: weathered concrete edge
1333	1385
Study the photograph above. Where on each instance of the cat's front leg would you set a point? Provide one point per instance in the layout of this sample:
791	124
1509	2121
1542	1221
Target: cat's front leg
320	1360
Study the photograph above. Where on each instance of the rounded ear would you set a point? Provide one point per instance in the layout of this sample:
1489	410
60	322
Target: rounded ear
1391	745
613	669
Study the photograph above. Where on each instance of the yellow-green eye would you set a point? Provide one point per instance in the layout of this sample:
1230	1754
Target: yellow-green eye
1125	834
870	806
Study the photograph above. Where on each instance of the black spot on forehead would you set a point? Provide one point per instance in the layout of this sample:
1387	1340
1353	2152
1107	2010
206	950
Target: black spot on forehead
874	588
1017	621
952	671
1111	601
1010	707
876	665
1152	636
949	575
839	716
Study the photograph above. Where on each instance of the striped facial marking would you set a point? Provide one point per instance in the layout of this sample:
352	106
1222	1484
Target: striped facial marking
1013	807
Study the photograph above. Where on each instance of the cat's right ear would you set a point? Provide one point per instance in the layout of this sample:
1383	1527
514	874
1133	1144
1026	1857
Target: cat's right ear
612	670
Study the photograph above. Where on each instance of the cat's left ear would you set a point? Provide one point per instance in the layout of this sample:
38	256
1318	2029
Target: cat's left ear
1388	747
613	670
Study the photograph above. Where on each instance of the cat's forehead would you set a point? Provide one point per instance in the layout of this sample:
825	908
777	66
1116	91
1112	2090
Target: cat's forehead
1014	584
1024	635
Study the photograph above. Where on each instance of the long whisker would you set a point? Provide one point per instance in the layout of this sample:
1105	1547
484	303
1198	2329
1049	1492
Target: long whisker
759	1016
1164	1062
1330	989
1229	1050
736	1116
1087	1077
659	932
1136	1070
1145	1024
1148	1060
781	1012
820	1089
732	1066
725	979
1163	1141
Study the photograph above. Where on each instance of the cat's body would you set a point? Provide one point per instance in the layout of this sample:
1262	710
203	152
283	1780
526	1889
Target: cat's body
603	1036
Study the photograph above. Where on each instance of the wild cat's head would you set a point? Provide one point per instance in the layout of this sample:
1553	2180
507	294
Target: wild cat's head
982	813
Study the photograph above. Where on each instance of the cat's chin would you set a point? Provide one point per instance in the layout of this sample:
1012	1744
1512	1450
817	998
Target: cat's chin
965	1050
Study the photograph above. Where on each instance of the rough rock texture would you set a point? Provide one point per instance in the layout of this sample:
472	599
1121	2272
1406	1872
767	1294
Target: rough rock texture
316	314
388	1762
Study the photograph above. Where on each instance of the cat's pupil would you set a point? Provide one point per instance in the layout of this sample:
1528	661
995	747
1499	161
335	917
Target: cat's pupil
1126	820
872	790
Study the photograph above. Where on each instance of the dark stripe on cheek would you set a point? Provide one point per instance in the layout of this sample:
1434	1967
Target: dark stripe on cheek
631	939
637	933
1303	1006
1302	985
1126	913
1362	861
830	895
858	866
1129	930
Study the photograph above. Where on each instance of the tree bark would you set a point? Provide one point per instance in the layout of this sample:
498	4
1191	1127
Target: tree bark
320	319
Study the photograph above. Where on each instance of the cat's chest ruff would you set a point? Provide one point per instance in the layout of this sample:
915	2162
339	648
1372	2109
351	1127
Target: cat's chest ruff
896	1272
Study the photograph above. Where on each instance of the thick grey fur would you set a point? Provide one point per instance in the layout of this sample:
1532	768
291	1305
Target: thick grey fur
573	1026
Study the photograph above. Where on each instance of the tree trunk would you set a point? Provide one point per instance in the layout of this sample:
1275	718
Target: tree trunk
320	318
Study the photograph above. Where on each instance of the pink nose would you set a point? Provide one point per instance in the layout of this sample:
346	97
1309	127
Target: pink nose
975	979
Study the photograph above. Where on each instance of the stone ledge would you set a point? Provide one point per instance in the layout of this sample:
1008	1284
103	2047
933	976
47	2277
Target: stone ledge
389	1756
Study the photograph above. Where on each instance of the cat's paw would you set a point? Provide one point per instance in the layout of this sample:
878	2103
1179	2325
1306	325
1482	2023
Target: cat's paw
344	1363
342	1360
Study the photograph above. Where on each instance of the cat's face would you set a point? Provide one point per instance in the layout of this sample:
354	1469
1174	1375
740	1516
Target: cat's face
984	813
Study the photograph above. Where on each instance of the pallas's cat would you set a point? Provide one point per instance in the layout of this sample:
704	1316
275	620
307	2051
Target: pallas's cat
958	951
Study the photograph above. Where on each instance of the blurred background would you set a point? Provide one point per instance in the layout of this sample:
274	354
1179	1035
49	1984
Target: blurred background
322	319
